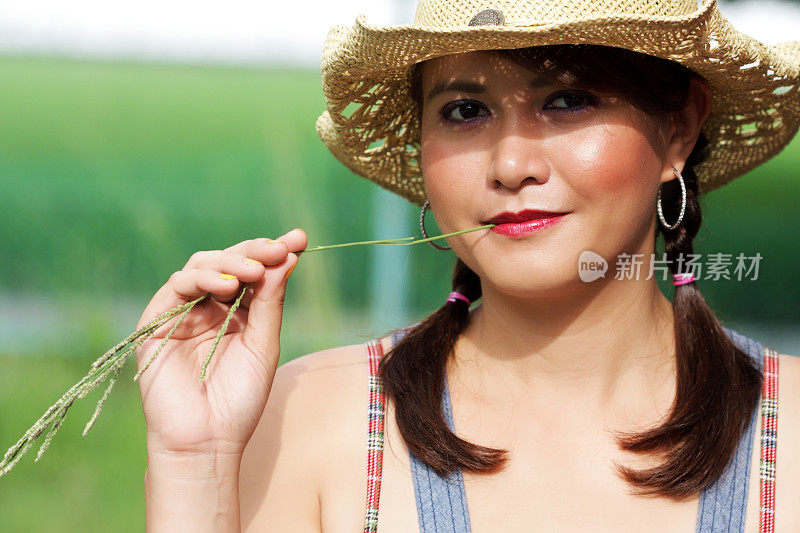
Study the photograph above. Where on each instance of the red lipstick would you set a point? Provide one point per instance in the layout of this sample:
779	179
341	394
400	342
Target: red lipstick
524	222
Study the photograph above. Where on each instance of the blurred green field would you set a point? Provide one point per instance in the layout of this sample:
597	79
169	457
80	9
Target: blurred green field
117	173
113	174
92	483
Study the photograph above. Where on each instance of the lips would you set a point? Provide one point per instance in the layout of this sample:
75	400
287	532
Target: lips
524	222
523	216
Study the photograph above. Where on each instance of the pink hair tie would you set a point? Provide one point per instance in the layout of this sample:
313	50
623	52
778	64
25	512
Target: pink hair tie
455	296
682	279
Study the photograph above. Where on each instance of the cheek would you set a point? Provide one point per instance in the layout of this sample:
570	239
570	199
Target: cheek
611	163
616	174
449	170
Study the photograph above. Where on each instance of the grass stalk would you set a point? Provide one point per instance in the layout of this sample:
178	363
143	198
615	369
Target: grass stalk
109	365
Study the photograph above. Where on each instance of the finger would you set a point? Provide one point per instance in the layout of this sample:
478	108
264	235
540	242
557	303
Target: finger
296	240
256	248
190	284
262	332
230	261
187	285
241	247
268	252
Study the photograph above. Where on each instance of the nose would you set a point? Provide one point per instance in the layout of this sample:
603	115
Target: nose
517	159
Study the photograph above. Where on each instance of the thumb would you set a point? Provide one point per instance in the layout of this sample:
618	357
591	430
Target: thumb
262	333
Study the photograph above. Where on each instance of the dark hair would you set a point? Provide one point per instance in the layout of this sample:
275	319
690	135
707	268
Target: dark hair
718	385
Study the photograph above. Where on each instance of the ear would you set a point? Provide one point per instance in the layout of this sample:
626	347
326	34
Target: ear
685	127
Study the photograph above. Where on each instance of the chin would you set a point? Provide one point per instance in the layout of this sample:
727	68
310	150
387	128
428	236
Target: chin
532	284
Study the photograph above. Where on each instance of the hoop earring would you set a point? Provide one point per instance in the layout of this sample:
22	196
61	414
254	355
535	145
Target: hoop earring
422	226
683	202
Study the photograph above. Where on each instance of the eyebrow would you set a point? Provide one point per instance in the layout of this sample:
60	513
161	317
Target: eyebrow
473	87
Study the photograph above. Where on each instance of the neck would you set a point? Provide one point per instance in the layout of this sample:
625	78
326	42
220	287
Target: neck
595	348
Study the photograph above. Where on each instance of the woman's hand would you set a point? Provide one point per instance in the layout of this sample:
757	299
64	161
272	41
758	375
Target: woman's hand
183	416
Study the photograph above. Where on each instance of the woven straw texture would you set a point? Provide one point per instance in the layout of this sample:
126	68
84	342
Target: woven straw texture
370	123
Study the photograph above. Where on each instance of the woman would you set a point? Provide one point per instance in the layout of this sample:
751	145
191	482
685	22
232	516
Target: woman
556	404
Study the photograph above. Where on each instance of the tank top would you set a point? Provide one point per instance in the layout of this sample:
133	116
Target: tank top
442	503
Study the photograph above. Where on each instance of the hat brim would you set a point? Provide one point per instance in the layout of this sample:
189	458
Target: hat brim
370	123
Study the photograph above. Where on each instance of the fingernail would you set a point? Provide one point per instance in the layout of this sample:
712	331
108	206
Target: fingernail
252	261
289	272
227	276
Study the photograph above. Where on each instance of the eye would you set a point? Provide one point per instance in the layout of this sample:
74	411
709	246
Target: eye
463	111
571	101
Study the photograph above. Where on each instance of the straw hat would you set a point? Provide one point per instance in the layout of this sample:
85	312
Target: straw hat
370	123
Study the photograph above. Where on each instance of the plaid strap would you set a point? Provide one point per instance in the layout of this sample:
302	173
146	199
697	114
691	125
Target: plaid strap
769	434
377	405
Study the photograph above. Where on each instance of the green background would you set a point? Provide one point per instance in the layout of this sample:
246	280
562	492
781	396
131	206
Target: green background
113	174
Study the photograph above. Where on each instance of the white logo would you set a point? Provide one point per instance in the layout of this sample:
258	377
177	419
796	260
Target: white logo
591	266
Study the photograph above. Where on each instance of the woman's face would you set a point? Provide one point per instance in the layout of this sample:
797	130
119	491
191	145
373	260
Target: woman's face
496	137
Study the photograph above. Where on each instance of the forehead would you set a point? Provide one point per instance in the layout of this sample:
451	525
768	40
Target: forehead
476	64
481	67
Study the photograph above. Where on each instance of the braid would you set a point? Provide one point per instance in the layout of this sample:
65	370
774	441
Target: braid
708	365
413	373
467	283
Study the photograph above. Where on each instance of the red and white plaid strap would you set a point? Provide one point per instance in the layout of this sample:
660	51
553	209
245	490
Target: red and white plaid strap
377	406
769	434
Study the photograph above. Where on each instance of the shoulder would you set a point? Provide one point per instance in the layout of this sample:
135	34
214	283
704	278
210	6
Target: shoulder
322	364
315	382
787	455
316	408
788	369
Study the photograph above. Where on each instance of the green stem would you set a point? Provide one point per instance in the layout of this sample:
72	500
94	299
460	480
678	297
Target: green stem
395	242
110	363
221	332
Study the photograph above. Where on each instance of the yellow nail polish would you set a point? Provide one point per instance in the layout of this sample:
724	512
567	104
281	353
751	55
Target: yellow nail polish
227	276
252	261
289	272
